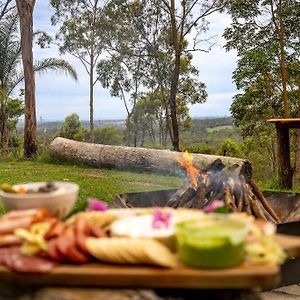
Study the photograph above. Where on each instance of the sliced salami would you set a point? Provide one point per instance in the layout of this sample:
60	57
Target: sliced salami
5	252
55	230
12	258
52	251
29	264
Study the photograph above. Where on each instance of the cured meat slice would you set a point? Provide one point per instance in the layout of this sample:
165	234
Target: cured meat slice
66	246
6	251
76	256
9	225
63	242
16	214
12	258
96	231
82	231
28	264
56	230
9	240
53	252
41	214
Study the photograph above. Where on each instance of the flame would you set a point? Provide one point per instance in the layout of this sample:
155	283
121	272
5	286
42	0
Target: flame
186	161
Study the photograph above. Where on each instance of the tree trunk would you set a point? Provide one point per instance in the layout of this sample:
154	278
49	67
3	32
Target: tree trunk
285	171
134	129
92	99
174	82
25	10
280	30
3	130
130	158
297	143
283	70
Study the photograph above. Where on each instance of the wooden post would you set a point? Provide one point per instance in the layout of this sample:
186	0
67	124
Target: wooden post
285	171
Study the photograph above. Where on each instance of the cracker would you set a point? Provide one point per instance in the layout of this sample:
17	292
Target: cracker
131	251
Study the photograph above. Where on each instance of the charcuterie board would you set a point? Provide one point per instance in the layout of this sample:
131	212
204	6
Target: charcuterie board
108	275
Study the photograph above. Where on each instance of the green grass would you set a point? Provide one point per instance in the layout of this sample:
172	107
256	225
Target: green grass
98	183
218	128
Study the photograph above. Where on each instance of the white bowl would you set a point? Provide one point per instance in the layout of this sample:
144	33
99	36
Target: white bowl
59	202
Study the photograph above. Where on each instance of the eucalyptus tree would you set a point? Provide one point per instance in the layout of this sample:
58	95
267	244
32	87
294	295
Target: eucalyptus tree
11	75
80	34
265	35
142	39
184	17
266	26
126	68
25	11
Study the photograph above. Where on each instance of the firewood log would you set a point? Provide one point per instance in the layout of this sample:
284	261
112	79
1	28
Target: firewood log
256	208
228	198
263	200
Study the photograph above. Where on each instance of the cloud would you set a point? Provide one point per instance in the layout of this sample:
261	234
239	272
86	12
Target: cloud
59	96
217	105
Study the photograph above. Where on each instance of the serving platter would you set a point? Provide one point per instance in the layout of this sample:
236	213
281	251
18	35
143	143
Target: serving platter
108	275
104	275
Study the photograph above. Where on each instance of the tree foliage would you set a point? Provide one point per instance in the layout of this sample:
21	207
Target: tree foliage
11	73
71	127
141	59
6	8
257	32
81	33
266	37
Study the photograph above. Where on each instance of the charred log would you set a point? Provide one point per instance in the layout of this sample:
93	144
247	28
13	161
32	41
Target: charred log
263	200
229	200
182	197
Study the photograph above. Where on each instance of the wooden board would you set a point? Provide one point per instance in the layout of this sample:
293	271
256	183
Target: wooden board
291	244
106	275
286	123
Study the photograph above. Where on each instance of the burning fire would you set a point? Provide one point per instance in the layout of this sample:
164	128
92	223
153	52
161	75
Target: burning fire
186	161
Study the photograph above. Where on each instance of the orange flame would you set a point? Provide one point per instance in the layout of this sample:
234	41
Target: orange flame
186	161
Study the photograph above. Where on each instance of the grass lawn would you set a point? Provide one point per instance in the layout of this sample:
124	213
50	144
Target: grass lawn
98	183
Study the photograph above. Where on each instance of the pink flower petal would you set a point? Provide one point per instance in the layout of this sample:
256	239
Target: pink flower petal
96	204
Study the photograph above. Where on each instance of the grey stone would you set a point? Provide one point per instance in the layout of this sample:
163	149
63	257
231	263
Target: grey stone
286	292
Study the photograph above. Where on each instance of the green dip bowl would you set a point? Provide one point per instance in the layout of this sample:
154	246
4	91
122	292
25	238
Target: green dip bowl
215	241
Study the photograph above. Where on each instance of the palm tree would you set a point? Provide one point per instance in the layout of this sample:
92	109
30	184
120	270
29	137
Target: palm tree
11	74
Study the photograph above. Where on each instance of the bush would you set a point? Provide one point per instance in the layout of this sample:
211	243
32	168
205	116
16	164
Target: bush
107	135
230	148
203	149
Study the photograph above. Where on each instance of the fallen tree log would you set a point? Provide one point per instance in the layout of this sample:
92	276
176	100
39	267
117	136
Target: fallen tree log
139	159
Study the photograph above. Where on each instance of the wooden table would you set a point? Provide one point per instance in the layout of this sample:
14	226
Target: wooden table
284	157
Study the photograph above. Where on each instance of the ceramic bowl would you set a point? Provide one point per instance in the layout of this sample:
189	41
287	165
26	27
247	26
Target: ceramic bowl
59	202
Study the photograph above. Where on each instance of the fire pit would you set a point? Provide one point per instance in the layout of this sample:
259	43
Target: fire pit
237	189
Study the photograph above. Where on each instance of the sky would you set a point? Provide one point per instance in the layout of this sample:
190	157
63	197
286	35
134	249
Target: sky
58	95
